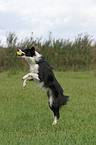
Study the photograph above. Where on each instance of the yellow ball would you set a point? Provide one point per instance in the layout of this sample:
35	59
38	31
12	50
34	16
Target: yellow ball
19	53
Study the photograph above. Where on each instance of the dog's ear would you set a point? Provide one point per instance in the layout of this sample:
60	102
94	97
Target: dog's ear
33	48
27	47
32	51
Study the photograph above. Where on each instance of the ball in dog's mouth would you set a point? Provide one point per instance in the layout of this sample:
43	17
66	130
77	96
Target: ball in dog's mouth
18	53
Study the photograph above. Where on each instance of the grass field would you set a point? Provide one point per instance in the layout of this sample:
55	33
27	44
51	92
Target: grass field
25	118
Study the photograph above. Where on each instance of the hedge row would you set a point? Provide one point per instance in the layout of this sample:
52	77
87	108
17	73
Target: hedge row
61	54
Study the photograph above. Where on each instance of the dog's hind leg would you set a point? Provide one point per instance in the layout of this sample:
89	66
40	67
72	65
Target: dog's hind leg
55	120
50	97
56	114
51	105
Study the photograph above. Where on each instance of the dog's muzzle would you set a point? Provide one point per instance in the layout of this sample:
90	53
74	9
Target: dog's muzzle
20	53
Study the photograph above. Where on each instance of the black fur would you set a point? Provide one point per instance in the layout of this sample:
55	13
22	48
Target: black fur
46	75
30	52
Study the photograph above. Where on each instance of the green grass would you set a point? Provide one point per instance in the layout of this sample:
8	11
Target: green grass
25	118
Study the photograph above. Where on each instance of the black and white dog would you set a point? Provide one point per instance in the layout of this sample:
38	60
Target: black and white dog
41	72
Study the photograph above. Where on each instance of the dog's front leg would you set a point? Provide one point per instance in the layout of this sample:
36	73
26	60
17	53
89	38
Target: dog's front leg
28	76
25	78
35	76
25	81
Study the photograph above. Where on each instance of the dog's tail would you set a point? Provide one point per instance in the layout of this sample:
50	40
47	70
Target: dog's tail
61	100
65	99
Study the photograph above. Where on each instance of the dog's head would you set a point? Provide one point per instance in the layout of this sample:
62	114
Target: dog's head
26	52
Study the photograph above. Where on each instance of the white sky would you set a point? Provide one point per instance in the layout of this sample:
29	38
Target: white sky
64	18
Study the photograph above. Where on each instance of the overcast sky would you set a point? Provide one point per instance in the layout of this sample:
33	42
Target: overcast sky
64	18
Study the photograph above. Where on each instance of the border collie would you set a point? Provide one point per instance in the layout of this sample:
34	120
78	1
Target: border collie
41	72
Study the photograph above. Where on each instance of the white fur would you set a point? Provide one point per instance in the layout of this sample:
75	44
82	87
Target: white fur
21	51
51	97
33	69
35	76
24	83
55	120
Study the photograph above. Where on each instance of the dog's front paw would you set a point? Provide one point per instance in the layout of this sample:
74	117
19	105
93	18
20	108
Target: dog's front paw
24	78
24	83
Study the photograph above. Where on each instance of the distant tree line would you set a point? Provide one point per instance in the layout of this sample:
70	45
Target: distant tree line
61	54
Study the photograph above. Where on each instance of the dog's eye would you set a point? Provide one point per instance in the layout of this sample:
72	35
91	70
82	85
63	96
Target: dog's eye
25	51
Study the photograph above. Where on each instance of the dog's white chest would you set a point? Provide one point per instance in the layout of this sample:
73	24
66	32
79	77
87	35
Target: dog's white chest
34	68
